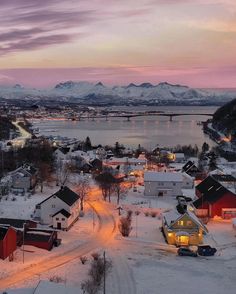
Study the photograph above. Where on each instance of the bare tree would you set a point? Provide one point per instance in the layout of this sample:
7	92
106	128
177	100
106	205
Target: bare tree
99	268
105	181
119	189
84	188
44	174
125	224
63	171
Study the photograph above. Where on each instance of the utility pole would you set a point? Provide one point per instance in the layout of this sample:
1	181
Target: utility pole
104	280
23	242
93	221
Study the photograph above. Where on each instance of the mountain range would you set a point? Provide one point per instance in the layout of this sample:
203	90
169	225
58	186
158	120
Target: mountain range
97	93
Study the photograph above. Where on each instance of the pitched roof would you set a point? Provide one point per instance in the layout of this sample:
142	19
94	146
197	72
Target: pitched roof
63	212
3	232
16	223
211	191
162	177
38	235
66	195
173	216
189	166
223	178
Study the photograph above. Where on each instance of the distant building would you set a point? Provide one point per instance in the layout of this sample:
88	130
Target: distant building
191	169
162	184
179	157
24	179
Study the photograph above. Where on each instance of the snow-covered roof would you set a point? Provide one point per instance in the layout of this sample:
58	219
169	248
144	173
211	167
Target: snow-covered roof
173	215
124	160
153	176
180	155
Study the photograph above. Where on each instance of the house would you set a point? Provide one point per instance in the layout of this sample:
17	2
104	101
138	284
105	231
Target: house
50	211
24	179
179	157
182	229
96	164
228	181
8	241
214	199
162	183
191	169
61	220
188	181
62	153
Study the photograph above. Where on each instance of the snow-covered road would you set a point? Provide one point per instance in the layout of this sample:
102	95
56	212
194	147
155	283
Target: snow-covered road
98	240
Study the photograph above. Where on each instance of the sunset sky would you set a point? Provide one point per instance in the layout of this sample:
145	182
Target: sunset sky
190	42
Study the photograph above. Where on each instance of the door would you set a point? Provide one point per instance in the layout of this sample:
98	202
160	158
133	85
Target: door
59	226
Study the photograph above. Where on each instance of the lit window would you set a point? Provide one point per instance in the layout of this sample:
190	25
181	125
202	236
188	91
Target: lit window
180	223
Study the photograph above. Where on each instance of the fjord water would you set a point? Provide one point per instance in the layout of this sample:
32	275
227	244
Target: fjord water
146	131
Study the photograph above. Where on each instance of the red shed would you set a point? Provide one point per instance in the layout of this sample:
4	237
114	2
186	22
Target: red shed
214	199
7	242
44	239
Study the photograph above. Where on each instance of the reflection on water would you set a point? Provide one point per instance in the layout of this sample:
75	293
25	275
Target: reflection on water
147	131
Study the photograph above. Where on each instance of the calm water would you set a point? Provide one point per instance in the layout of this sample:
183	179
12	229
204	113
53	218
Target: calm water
147	131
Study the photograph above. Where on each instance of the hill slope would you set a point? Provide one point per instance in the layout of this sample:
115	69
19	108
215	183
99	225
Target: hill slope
224	118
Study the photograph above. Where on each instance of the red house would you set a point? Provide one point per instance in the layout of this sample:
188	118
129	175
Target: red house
7	242
214	199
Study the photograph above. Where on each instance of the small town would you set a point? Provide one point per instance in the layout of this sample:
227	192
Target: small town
117	147
66	203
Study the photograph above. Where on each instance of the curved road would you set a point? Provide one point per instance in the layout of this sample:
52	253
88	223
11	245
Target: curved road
100	238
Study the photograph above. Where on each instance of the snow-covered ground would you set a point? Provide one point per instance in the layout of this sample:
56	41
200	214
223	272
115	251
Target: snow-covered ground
22	207
80	232
143	262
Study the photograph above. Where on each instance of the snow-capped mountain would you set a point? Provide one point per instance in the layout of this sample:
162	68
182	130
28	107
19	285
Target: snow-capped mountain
146	93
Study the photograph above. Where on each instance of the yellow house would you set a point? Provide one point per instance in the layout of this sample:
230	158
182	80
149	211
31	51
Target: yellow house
182	229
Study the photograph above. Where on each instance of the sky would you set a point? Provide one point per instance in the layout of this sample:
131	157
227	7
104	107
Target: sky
191	42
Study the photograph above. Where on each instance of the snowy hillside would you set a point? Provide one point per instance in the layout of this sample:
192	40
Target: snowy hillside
98	92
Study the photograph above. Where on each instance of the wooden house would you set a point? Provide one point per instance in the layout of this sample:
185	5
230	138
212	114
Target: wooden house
182	229
214	199
49	210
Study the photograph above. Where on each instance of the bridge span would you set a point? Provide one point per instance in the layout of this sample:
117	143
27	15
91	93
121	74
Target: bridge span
128	116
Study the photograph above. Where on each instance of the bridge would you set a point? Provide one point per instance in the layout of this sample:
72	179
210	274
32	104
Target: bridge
128	116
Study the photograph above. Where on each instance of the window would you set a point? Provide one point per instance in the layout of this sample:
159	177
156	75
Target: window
189	223
63	219
57	218
174	184
180	223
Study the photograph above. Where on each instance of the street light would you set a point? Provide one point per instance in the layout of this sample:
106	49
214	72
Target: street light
136	214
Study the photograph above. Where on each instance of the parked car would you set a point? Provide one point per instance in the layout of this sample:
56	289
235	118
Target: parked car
206	250
184	251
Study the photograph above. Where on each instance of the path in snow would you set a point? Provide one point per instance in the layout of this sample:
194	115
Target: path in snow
104	234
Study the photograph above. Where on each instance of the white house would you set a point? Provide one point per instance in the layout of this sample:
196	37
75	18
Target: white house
179	157
188	181
162	183
23	179
60	209
62	153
